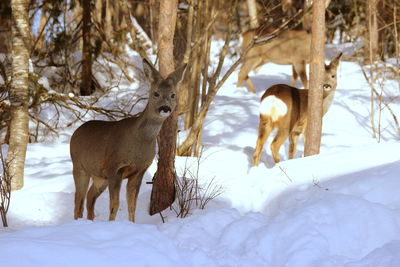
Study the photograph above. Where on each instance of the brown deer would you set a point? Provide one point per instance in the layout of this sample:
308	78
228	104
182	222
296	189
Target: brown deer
291	48
284	108
109	151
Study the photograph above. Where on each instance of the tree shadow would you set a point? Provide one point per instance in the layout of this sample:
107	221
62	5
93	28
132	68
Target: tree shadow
363	119
335	184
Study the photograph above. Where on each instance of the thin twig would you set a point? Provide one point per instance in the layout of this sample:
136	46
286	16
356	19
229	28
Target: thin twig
284	172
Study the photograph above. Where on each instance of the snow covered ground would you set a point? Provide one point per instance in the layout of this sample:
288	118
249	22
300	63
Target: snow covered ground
339	208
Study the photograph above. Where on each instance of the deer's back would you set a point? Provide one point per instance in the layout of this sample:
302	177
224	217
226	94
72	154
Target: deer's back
288	48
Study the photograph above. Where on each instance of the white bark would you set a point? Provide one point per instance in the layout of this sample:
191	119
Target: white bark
19	126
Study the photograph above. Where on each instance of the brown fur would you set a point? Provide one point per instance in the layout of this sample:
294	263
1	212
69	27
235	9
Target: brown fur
291	48
294	122
109	151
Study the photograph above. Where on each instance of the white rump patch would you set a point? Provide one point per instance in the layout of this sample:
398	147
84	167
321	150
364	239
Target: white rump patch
273	107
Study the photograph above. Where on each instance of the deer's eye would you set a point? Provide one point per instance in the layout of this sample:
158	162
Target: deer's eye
333	76
173	96
156	94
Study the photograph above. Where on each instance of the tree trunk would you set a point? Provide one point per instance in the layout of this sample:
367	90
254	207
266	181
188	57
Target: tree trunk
371	53
372	44
308	17
252	7
314	120
19	125
184	89
185	149
163	193
86	83
42	25
194	77
98	18
154	10
5	26
108	19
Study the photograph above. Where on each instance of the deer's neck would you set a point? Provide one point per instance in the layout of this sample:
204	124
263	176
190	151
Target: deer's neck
328	99
148	125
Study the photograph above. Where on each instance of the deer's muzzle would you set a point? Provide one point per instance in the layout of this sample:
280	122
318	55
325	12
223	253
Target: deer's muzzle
164	111
327	87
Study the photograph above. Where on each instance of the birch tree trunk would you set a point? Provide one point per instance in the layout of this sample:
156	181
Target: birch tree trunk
19	125
163	193
314	120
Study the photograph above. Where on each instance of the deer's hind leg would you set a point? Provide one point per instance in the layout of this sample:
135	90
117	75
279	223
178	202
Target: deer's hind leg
293	140
279	139
300	69
264	130
295	75
98	186
81	180
243	75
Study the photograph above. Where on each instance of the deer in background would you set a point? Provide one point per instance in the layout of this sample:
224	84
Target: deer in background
109	151
285	108
291	48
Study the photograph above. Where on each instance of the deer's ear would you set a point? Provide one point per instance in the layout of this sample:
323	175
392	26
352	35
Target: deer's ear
178	74
151	73
335	62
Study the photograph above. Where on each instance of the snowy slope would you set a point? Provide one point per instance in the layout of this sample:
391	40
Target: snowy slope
339	208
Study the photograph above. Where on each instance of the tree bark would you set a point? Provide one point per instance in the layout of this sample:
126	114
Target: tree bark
42	24
185	149
371	53
163	192
372	44
19	125
185	87
108	19
86	83
5	26
252	7
99	12
314	120
308	17
194	77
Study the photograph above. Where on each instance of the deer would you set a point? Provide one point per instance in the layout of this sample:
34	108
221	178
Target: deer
285	108
289	48
107	152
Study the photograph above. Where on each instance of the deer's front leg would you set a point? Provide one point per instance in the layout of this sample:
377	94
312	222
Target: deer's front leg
132	192
114	187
